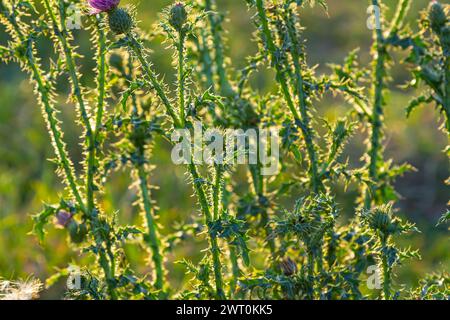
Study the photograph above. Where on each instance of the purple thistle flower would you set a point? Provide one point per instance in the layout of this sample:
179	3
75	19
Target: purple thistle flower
103	5
63	218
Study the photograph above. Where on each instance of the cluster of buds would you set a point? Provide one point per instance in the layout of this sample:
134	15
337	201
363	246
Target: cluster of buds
121	22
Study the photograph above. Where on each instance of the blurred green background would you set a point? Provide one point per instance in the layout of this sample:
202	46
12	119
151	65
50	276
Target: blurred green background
27	178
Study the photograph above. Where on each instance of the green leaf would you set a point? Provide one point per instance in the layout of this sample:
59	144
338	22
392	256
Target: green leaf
413	104
41	220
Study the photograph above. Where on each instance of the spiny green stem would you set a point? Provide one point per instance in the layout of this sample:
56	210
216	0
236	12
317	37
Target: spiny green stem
217	268
60	146
311	273
137	49
217	191
49	111
92	154
386	270
268	40
259	186
153	238
227	90
225	86
400	14
55	133
181	78
101	83
235	271
61	34
376	119
198	186
108	265
302	122
308	132
207	61
217	208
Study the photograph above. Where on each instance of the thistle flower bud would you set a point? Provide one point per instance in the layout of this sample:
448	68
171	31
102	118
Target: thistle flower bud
77	232
289	267
63	218
120	21
380	221
99	6
178	16
437	16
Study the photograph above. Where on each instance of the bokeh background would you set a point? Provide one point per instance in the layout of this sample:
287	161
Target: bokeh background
27	178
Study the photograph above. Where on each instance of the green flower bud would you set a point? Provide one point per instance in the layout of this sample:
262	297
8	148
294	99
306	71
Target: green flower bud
437	16
120	21
178	16
380	221
77	232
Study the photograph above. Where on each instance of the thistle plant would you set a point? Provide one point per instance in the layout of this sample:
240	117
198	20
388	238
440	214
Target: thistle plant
177	18
236	110
255	247
430	58
379	189
301	118
382	222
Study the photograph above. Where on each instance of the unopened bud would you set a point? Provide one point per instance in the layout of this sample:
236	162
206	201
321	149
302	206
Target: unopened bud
380	221
120	21
77	232
178	16
437	16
